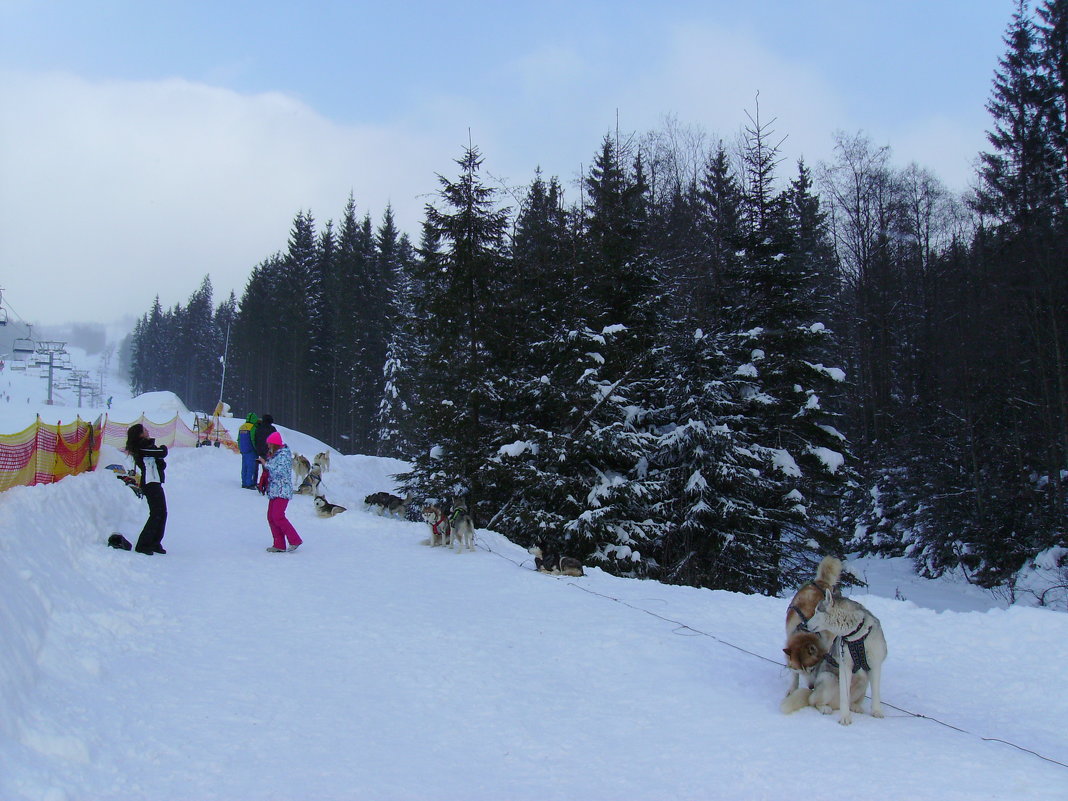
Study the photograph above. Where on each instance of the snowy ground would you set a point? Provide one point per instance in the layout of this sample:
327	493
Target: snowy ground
369	666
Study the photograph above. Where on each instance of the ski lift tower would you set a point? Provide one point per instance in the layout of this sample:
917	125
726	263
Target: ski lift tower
80	379
51	349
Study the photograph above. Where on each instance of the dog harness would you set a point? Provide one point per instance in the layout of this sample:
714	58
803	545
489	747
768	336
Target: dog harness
856	649
803	625
434	527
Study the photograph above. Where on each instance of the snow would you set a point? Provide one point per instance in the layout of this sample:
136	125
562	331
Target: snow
746	371
786	463
831	459
836	374
517	448
370	666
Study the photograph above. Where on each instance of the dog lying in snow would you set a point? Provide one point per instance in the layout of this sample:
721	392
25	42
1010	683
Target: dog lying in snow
324	508
554	564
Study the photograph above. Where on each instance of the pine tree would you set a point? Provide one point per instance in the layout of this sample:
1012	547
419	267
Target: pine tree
456	324
592	391
777	345
1019	176
1053	44
718	487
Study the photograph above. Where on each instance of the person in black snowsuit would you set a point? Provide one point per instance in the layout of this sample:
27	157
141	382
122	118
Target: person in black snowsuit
264	429
149	459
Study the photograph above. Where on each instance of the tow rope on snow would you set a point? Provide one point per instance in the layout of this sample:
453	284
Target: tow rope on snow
680	626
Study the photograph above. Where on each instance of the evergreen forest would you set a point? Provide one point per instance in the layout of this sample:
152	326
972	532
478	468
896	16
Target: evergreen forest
700	364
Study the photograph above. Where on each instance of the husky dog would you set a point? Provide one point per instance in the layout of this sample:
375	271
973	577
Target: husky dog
301	466
322	460
856	655
311	483
438	521
556	565
385	503
461	528
324	508
806	648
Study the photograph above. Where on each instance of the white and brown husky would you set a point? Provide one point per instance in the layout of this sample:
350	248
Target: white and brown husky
806	648
438	521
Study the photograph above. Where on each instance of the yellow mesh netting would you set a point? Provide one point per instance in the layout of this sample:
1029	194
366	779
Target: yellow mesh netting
44	453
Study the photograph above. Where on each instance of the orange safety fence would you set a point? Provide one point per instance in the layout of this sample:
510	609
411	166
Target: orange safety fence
45	453
174	433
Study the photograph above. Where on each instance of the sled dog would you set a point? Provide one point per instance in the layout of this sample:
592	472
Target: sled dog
438	521
301	467
385	503
311	483
806	648
324	508
322	460
461	528
856	656
554	564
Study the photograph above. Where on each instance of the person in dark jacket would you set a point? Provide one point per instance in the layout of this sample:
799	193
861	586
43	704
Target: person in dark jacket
250	465
149	459
264	429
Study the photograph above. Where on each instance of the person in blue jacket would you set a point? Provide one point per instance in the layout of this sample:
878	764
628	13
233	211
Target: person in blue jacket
250	465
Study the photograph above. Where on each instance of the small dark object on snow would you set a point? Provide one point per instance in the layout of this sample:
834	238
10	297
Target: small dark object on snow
118	541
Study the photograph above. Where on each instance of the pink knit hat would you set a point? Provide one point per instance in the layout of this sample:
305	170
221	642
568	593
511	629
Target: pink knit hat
274	438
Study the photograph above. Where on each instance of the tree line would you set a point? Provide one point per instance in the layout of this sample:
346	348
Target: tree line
709	368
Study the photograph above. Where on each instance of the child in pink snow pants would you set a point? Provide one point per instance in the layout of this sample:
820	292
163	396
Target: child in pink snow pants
279	463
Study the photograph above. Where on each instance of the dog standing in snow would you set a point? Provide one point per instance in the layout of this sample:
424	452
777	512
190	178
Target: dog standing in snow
385	503
301	467
322	461
311	483
461	528
856	657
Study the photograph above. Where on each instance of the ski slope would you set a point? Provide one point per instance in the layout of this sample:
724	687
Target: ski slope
367	665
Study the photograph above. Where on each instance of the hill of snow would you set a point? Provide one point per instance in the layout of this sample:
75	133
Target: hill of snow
369	666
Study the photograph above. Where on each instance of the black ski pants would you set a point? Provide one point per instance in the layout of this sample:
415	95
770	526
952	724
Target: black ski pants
152	534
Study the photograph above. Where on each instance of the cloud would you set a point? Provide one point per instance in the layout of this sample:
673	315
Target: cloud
116	191
711	76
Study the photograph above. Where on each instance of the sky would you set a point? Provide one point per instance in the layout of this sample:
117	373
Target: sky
144	146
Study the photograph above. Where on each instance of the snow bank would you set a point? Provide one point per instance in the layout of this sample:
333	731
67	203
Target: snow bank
50	571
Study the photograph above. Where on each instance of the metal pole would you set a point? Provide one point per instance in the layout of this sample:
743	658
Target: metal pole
226	348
